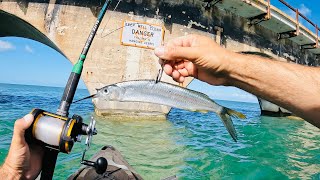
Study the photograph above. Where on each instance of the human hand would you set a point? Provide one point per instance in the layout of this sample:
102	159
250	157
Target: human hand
196	56
23	160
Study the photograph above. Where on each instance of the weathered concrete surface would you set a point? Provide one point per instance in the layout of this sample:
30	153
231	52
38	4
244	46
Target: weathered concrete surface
68	23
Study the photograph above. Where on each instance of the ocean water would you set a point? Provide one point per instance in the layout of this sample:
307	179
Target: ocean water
188	144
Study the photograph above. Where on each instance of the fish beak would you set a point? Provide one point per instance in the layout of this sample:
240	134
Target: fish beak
91	96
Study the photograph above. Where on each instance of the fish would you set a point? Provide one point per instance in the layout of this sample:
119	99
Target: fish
171	95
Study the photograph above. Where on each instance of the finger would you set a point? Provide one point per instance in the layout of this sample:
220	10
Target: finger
181	79
20	126
175	75
177	53
183	72
180	65
192	70
168	69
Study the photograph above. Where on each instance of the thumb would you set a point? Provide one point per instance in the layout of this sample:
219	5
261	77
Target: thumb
177	53
20	126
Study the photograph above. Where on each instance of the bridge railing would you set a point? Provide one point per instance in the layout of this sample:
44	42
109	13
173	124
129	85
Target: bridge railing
298	15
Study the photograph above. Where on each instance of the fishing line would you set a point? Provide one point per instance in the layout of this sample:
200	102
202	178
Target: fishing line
114	30
101	36
84	98
159	76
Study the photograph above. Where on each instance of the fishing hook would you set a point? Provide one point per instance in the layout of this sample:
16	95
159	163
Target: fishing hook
159	76
162	62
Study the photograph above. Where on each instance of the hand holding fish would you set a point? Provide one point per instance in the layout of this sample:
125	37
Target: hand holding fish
288	85
195	56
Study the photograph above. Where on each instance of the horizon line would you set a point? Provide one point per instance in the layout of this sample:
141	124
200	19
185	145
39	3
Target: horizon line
87	89
39	85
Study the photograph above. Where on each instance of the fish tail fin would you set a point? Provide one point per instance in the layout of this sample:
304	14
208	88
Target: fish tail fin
235	114
226	119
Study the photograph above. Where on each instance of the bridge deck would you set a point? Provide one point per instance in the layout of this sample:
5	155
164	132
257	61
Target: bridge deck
262	13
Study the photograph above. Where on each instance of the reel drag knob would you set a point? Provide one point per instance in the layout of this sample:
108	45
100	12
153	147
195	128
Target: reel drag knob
101	165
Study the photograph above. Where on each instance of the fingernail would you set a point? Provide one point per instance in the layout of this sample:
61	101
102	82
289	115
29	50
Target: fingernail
159	51
28	118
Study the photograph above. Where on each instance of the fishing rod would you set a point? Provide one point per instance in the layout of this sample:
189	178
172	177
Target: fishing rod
57	132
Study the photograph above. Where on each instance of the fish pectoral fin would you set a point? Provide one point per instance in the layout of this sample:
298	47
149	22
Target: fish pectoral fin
235	114
202	111
198	110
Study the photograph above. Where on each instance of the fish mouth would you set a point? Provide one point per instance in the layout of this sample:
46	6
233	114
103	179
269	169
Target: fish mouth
88	97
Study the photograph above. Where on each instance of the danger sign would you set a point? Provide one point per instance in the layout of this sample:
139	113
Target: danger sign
142	35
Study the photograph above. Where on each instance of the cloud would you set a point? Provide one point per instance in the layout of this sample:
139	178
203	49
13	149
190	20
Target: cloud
28	49
6	46
302	9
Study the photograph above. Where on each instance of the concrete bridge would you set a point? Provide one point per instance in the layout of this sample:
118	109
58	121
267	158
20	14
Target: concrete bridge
239	25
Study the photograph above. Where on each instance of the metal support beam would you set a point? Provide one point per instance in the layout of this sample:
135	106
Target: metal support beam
308	46
317	36
258	19
297	23
211	3
269	10
261	17
288	34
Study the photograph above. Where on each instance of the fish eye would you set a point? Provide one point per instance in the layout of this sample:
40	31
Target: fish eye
106	91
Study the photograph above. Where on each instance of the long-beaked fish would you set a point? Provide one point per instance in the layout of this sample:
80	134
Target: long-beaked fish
170	95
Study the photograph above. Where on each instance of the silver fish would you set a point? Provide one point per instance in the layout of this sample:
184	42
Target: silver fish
170	95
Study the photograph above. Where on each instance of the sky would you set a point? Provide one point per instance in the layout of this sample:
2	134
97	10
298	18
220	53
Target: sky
24	61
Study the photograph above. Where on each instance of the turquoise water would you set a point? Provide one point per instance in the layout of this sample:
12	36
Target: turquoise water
187	144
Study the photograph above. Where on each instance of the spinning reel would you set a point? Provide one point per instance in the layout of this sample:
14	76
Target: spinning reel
59	133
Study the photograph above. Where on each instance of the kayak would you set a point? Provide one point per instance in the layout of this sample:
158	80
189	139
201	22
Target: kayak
118	167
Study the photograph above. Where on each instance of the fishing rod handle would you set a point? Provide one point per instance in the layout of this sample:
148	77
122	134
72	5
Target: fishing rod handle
48	164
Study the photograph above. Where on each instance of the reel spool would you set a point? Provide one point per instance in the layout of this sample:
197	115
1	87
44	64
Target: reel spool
57	132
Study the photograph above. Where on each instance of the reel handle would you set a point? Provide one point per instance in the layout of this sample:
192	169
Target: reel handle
100	165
